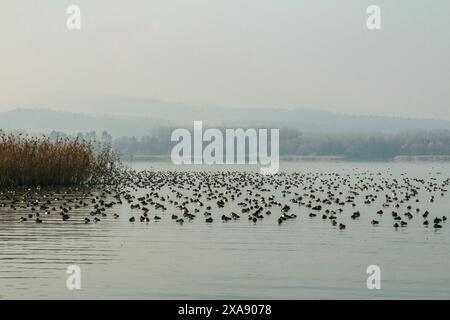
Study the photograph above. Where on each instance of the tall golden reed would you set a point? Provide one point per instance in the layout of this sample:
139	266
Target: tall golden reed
29	162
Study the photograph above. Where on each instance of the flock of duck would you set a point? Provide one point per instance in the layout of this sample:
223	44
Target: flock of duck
233	195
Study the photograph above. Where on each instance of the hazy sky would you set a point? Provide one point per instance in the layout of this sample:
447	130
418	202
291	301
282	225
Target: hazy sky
313	54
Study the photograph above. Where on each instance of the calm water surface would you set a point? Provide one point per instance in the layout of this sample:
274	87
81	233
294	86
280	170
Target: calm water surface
302	258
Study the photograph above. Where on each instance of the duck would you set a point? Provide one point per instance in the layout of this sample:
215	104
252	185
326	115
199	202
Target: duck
437	220
355	215
225	218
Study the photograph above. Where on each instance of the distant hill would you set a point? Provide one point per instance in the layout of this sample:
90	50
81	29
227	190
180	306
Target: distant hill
305	120
131	116
44	121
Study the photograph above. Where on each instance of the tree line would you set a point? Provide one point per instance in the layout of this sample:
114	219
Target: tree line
293	142
352	146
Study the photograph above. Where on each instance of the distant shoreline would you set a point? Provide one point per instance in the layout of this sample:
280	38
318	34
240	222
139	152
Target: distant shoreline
293	158
421	158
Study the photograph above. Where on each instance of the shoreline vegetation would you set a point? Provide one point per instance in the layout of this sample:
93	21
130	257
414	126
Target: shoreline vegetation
40	162
419	145
295	145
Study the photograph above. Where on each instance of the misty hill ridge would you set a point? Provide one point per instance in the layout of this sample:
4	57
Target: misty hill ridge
184	114
140	123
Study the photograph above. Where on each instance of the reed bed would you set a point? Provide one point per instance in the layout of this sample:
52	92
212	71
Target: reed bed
32	162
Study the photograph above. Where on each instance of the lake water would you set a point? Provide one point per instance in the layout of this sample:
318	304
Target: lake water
301	258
